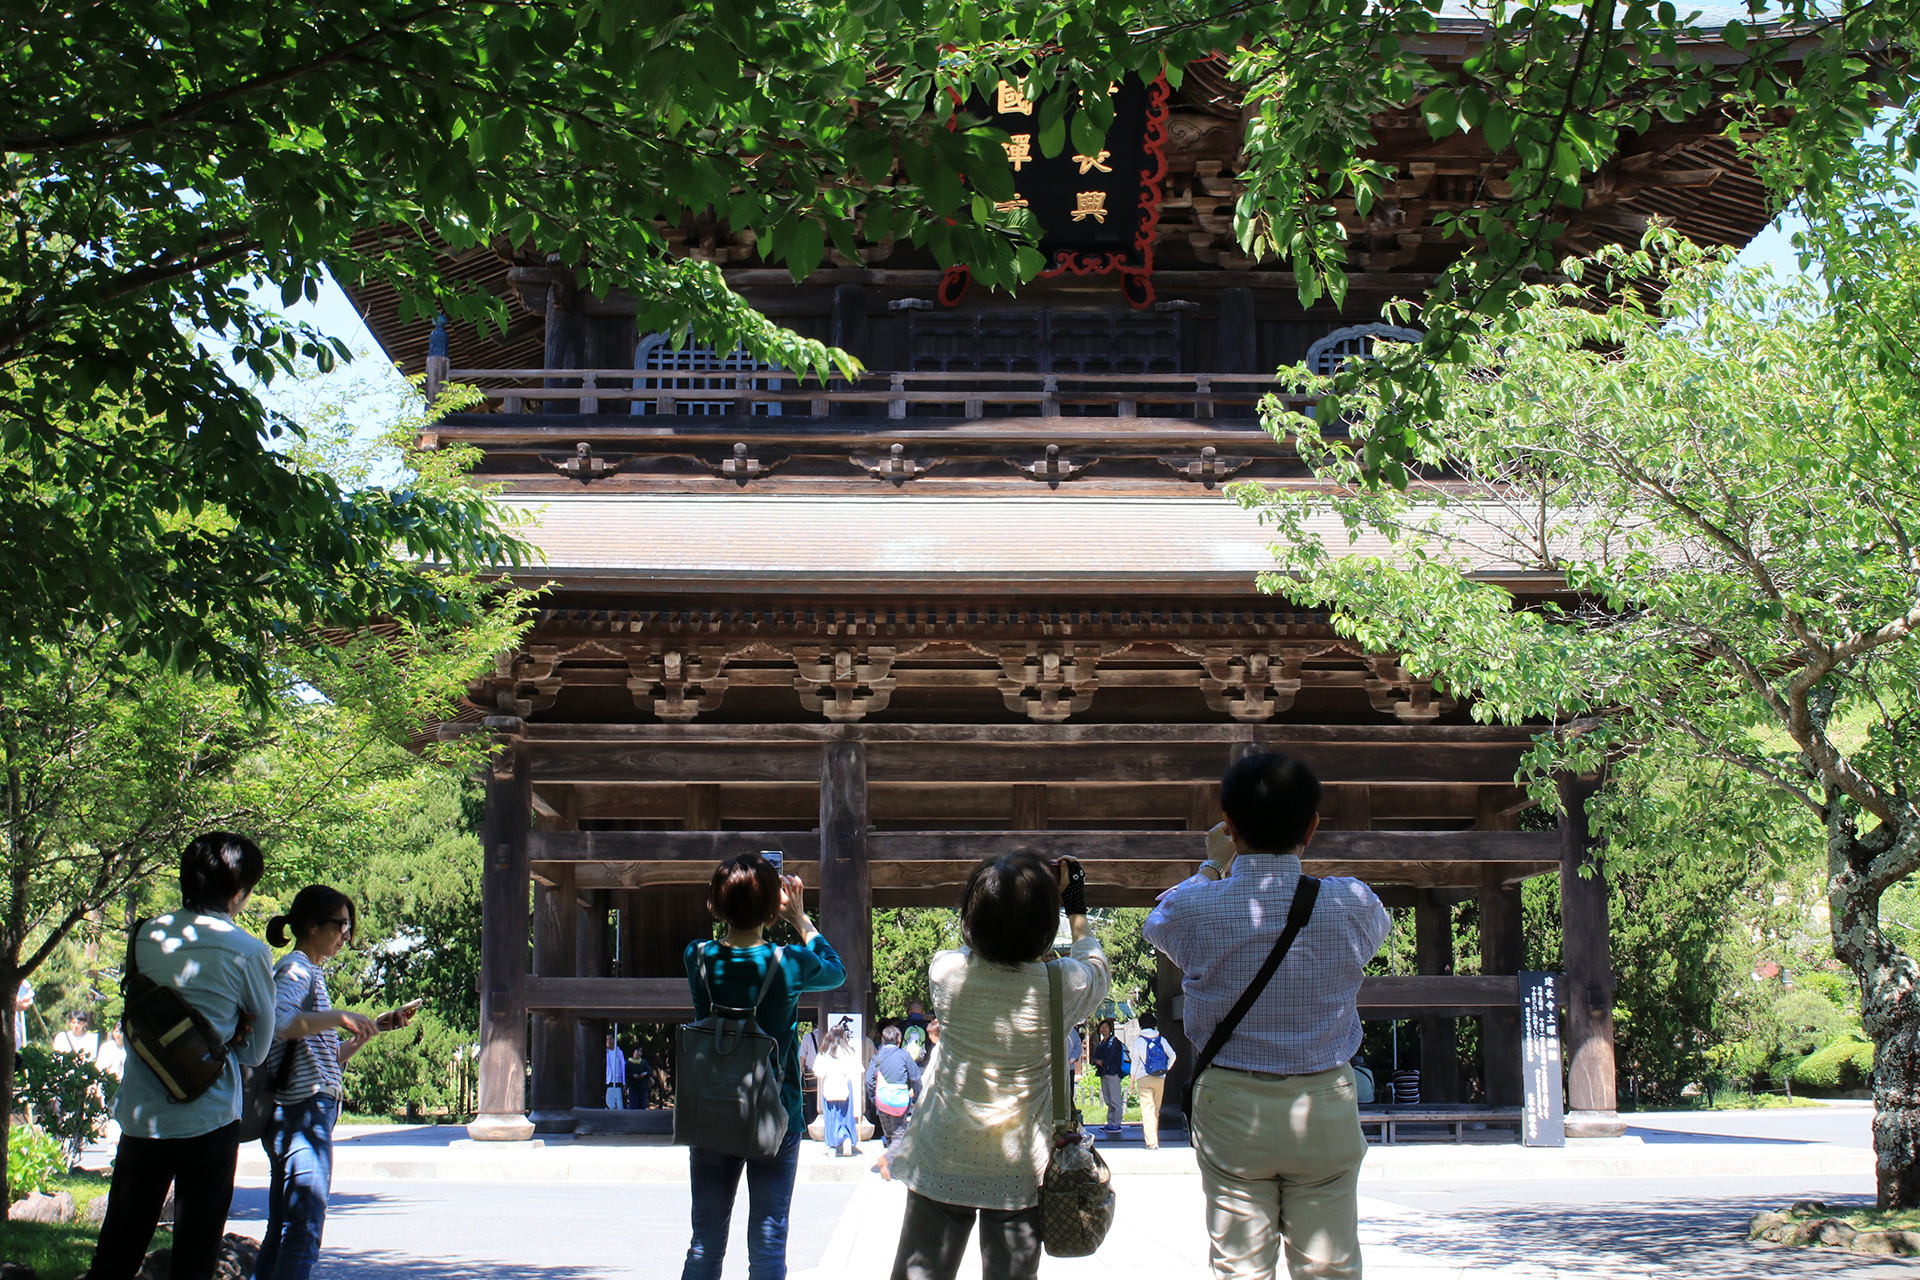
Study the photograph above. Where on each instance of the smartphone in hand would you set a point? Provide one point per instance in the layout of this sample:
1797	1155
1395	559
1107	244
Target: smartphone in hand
393	1018
777	858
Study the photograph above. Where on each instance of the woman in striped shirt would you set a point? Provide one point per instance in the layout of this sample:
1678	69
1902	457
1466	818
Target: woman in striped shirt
299	1141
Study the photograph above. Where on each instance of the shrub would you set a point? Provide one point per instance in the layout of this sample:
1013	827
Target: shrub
411	1067
34	1159
68	1096
1844	1064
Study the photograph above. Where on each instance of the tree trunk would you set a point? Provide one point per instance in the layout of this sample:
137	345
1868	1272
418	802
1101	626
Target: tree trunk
1889	1002
10	983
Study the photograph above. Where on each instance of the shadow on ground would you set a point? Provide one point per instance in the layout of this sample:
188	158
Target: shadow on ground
1693	1238
380	1264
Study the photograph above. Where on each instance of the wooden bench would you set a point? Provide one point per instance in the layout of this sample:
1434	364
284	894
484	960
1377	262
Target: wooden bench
1383	1124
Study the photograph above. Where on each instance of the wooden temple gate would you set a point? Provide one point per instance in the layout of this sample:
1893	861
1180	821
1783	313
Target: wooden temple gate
987	594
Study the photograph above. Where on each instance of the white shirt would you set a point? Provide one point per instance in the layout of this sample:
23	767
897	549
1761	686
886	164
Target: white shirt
1139	1050
839	1074
87	1043
1219	933
983	1126
616	1066
112	1058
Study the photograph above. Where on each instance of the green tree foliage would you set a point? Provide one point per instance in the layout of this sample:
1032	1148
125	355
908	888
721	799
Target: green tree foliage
1134	963
161	158
1721	465
904	940
66	1095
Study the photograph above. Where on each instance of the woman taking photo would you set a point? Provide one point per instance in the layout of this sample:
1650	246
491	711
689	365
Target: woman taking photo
226	974
977	1145
299	1140
748	894
837	1068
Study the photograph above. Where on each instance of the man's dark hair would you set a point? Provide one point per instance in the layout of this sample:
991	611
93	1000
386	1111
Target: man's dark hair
216	867
745	891
1149	1023
890	1034
1010	910
1272	799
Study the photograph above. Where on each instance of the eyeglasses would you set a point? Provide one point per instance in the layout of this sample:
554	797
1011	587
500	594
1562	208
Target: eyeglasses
342	923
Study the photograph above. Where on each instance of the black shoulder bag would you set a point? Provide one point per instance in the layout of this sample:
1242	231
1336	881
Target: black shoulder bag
174	1039
1305	894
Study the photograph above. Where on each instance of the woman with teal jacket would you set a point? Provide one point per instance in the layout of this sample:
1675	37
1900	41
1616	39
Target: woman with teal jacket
749	894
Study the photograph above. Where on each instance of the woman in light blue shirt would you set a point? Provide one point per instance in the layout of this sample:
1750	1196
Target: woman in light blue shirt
226	974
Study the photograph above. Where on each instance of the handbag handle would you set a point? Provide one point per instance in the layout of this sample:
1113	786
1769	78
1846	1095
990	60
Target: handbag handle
1056	1011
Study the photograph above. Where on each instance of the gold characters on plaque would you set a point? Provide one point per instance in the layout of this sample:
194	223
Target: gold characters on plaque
1008	206
1008	101
1020	150
1089	163
1090	204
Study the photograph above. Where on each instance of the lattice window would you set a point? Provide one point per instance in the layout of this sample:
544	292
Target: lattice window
1354	342
657	355
1079	342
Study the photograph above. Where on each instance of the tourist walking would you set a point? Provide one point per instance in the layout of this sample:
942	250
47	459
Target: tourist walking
749	894
893	1083
307	1061
616	1075
837	1068
1275	1123
1153	1057
1110	1067
640	1078
226	975
977	1147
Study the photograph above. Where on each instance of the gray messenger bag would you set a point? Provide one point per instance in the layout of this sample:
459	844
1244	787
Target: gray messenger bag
726	1096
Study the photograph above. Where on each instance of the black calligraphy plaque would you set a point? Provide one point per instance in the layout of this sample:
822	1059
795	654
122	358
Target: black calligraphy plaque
1097	212
1542	1119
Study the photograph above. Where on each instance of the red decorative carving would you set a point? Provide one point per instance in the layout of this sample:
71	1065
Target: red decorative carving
1136	277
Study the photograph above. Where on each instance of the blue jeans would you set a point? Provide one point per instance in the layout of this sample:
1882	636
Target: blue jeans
838	1126
769	1196
299	1146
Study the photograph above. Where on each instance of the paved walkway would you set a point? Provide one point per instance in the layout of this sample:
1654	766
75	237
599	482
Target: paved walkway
1672	1204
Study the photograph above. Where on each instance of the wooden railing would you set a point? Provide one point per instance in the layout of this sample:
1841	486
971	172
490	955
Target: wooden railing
745	392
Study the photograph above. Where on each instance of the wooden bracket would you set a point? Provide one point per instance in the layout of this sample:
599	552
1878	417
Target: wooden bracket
1048	683
896	468
677	684
843	684
1392	689
583	464
1052	469
1208	470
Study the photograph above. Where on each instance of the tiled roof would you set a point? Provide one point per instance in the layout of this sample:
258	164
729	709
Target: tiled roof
935	541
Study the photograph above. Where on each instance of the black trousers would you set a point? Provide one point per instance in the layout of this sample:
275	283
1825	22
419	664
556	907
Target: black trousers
200	1170
933	1240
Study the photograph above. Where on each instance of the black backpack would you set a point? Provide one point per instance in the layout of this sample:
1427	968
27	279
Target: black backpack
174	1039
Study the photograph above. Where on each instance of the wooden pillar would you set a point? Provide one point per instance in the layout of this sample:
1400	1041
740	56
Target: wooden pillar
846	889
1239	342
554	929
1503	949
1029	806
1439	1041
1348	807
848	328
1592	1108
703	806
589	1034
504	938
1203	808
1170	1005
564	332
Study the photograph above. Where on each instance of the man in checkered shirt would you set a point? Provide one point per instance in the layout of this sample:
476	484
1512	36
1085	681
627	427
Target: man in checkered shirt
1276	1121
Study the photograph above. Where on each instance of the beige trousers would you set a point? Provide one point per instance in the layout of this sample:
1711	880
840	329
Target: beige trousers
1152	1089
1280	1163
